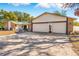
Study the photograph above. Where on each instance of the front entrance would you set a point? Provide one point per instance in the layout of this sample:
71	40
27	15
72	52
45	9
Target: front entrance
25	27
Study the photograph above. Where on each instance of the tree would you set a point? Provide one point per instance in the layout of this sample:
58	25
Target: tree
62	12
70	5
74	6
31	18
76	23
14	16
22	16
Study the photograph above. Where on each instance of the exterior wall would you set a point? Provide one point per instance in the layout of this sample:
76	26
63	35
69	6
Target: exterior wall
49	18
70	25
13	25
29	27
76	28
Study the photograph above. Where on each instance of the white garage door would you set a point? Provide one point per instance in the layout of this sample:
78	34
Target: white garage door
58	27
40	28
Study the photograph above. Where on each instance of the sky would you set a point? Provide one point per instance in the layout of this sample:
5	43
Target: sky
35	9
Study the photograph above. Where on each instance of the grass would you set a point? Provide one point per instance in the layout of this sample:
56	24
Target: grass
6	32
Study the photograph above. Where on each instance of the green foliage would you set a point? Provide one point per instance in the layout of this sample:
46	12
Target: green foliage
62	12
1	25
14	16
76	23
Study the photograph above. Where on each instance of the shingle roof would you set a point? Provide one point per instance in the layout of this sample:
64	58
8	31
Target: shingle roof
54	14
20	23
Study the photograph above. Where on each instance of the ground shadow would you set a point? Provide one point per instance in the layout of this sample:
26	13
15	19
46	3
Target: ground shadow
30	44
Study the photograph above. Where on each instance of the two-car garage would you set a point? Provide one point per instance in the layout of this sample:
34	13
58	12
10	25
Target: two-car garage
52	23
50	27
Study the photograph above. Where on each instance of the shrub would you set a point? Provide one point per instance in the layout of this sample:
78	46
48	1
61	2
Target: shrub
74	33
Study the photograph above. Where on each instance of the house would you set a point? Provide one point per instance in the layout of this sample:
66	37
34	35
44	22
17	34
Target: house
4	25
11	25
76	29
22	24
52	23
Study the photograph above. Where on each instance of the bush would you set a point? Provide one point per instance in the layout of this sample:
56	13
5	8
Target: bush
1	27
74	33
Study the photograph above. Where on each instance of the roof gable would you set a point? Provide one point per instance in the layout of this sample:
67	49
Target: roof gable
53	14
47	17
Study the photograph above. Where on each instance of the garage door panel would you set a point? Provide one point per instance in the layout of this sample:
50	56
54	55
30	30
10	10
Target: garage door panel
55	27
59	27
40	28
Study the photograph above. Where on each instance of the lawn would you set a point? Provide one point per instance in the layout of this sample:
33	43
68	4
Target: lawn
6	32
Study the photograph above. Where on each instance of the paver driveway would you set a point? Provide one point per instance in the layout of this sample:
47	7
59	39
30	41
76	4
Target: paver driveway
35	44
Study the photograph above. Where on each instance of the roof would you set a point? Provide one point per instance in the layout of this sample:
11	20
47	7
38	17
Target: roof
20	23
55	14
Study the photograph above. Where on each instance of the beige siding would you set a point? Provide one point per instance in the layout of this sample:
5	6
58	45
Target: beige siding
49	18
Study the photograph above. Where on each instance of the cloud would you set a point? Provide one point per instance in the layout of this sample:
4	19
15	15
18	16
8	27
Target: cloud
45	5
41	5
19	4
59	4
15	4
49	5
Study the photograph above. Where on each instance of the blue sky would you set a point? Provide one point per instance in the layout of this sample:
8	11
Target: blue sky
34	9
